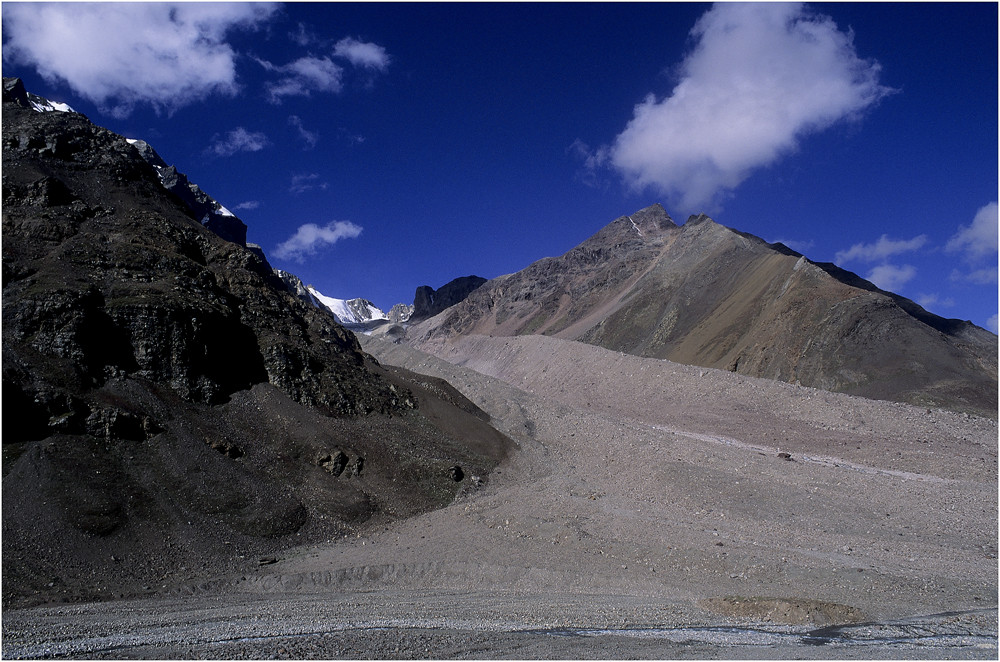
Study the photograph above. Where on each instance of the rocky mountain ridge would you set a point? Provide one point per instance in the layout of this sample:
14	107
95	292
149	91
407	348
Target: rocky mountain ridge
707	295
210	212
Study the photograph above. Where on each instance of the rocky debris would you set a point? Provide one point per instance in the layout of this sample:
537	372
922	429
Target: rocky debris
226	447
784	610
335	463
357	466
428	302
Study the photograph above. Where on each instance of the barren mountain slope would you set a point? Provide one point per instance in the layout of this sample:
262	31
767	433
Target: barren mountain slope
706	295
170	409
647	513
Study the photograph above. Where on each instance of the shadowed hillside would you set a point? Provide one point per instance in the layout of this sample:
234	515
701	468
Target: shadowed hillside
171	410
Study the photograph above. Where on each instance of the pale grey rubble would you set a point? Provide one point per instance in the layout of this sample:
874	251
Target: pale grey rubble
641	490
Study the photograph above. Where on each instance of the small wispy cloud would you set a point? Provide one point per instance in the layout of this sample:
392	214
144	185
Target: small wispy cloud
166	55
306	182
310	138
238	140
310	238
312	73
362	54
350	137
247	205
881	249
302	35
890	277
984	276
930	301
759	77
303	76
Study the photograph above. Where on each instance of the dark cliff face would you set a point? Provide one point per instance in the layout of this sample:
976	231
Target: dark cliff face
166	400
428	302
105	275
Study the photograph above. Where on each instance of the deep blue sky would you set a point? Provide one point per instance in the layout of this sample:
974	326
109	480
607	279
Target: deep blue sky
477	138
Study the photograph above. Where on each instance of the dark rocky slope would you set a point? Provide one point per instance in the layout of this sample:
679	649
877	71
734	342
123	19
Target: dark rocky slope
707	295
428	302
171	411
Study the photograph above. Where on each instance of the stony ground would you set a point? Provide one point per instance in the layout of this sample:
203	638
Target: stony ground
652	510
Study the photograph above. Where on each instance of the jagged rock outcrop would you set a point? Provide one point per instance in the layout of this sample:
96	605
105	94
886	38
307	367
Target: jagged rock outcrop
428	302
165	394
704	294
400	313
13	91
212	215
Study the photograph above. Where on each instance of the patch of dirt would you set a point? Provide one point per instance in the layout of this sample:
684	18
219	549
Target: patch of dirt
790	611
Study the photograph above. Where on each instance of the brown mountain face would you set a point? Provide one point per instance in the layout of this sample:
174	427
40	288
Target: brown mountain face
704	294
171	410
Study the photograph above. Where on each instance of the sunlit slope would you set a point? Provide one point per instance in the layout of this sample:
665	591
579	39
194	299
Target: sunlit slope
707	295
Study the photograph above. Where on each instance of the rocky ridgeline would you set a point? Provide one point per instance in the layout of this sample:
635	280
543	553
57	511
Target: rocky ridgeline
707	295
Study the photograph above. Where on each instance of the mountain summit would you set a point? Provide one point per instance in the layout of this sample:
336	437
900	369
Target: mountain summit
707	295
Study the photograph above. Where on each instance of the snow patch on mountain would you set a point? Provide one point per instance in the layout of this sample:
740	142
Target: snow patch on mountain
356	314
13	89
349	312
43	105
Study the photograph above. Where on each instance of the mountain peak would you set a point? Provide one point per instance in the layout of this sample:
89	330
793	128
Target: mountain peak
709	295
651	220
14	91
698	219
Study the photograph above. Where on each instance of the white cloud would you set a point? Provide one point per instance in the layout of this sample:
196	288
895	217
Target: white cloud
309	137
979	239
881	249
991	324
890	277
759	77
362	54
304	76
303	36
309	238
238	140
976	276
249	204
306	182
119	55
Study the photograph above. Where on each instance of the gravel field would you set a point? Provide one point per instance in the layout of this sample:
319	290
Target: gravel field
652	510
